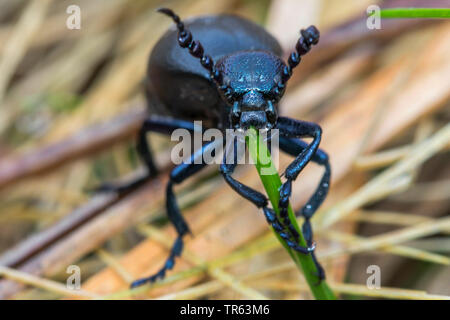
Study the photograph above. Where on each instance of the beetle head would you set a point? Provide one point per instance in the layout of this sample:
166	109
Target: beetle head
250	84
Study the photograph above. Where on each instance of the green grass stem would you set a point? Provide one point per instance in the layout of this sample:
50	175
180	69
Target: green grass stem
434	13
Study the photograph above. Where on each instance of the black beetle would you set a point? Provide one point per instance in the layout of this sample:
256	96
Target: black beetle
230	75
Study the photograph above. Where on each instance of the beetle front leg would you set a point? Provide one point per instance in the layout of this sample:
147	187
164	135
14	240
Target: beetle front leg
295	128
294	147
285	231
164	125
177	175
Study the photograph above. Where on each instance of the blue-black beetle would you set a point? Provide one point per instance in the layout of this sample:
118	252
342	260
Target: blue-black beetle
228	72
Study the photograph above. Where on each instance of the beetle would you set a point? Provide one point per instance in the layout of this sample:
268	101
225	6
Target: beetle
228	72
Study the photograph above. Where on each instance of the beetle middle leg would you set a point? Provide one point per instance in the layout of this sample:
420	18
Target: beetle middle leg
159	124
286	231
178	175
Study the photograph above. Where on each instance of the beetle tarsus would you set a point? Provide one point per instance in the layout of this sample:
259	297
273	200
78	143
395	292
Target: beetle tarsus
176	251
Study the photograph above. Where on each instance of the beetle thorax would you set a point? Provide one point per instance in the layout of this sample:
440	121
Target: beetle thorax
251	71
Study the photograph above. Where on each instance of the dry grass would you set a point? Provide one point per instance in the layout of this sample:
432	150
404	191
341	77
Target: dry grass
72	100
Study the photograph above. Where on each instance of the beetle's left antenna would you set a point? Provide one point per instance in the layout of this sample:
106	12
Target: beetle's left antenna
195	48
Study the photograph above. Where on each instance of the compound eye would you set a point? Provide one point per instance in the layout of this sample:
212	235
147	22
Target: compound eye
228	93
276	93
281	87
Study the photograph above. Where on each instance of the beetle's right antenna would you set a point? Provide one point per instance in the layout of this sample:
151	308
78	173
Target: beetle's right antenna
308	38
195	47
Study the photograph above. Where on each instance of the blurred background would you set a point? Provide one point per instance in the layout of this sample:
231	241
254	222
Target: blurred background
71	101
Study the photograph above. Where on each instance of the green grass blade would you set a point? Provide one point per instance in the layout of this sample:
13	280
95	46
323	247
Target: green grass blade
272	182
435	13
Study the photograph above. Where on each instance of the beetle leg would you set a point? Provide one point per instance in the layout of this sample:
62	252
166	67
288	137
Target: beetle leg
295	128
164	125
177	175
294	147
286	231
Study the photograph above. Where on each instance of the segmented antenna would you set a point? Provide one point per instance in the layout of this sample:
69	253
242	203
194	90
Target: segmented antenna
309	37
195	48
